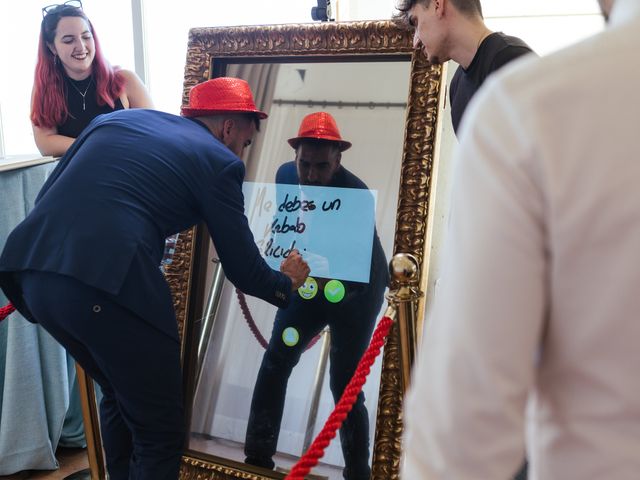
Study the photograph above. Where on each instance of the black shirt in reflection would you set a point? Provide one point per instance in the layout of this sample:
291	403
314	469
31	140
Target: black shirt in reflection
287	174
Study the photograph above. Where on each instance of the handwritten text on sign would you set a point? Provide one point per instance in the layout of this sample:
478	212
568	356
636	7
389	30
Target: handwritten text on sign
331	227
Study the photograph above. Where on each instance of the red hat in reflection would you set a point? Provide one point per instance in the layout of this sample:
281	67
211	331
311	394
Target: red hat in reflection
321	126
220	95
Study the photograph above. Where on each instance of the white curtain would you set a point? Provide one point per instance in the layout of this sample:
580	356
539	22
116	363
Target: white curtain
262	78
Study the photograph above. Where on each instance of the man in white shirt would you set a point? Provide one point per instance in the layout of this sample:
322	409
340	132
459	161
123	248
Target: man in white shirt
540	295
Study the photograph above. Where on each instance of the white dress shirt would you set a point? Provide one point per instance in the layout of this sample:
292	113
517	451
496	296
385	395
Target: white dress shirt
540	294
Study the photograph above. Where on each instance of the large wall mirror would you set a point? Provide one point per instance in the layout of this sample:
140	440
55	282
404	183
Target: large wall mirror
385	99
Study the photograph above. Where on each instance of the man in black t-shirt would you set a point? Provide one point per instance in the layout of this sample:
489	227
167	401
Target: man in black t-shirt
455	30
351	315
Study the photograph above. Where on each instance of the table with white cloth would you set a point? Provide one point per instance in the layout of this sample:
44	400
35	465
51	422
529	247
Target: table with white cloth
39	398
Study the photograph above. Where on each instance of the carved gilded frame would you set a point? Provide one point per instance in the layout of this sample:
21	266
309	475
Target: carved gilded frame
374	40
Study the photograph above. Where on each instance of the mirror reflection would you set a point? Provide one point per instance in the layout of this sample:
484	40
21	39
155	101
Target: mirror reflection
322	177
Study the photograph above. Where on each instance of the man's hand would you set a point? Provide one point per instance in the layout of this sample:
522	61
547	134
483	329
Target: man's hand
295	268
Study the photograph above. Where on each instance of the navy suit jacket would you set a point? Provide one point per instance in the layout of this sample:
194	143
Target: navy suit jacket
131	179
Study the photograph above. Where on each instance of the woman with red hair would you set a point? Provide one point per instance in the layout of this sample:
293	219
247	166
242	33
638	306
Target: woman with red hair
73	81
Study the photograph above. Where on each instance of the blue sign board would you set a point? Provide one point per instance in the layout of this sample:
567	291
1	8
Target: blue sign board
331	227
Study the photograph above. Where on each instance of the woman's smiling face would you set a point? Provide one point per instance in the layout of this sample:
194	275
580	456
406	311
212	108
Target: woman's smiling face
74	46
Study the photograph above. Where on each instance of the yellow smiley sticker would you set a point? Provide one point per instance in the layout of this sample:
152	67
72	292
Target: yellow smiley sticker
308	289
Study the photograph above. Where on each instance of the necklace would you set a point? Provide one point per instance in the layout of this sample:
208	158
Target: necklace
84	106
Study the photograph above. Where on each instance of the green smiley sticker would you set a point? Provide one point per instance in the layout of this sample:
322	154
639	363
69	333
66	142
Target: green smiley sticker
309	288
334	291
290	336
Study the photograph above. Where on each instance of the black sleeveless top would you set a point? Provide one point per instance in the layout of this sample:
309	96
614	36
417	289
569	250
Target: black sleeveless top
82	110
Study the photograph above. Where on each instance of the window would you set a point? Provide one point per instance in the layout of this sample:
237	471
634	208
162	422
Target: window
19	33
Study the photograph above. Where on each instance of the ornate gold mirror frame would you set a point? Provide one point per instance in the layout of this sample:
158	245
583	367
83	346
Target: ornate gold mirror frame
371	41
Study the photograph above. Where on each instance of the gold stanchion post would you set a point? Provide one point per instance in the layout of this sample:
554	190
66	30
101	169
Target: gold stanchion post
405	273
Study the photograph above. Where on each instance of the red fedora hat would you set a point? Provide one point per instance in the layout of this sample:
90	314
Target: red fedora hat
320	126
220	95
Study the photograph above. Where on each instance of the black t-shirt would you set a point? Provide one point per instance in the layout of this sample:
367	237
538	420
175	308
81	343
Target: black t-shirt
379	278
82	110
494	52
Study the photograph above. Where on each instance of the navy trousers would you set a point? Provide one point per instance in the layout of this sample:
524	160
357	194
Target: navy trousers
351	322
136	366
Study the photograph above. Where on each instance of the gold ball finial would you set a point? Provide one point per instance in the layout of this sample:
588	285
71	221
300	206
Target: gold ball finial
404	268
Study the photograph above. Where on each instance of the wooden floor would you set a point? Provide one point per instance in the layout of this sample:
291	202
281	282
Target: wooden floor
71	460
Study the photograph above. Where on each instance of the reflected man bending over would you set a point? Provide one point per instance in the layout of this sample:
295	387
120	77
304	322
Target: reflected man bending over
351	319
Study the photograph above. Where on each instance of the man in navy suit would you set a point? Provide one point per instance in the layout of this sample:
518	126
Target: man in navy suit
319	148
85	262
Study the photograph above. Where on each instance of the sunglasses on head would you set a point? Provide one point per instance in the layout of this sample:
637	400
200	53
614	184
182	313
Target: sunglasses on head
68	3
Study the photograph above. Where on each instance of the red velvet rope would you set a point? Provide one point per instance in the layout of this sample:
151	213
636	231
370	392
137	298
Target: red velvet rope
343	407
246	313
249	318
7	310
